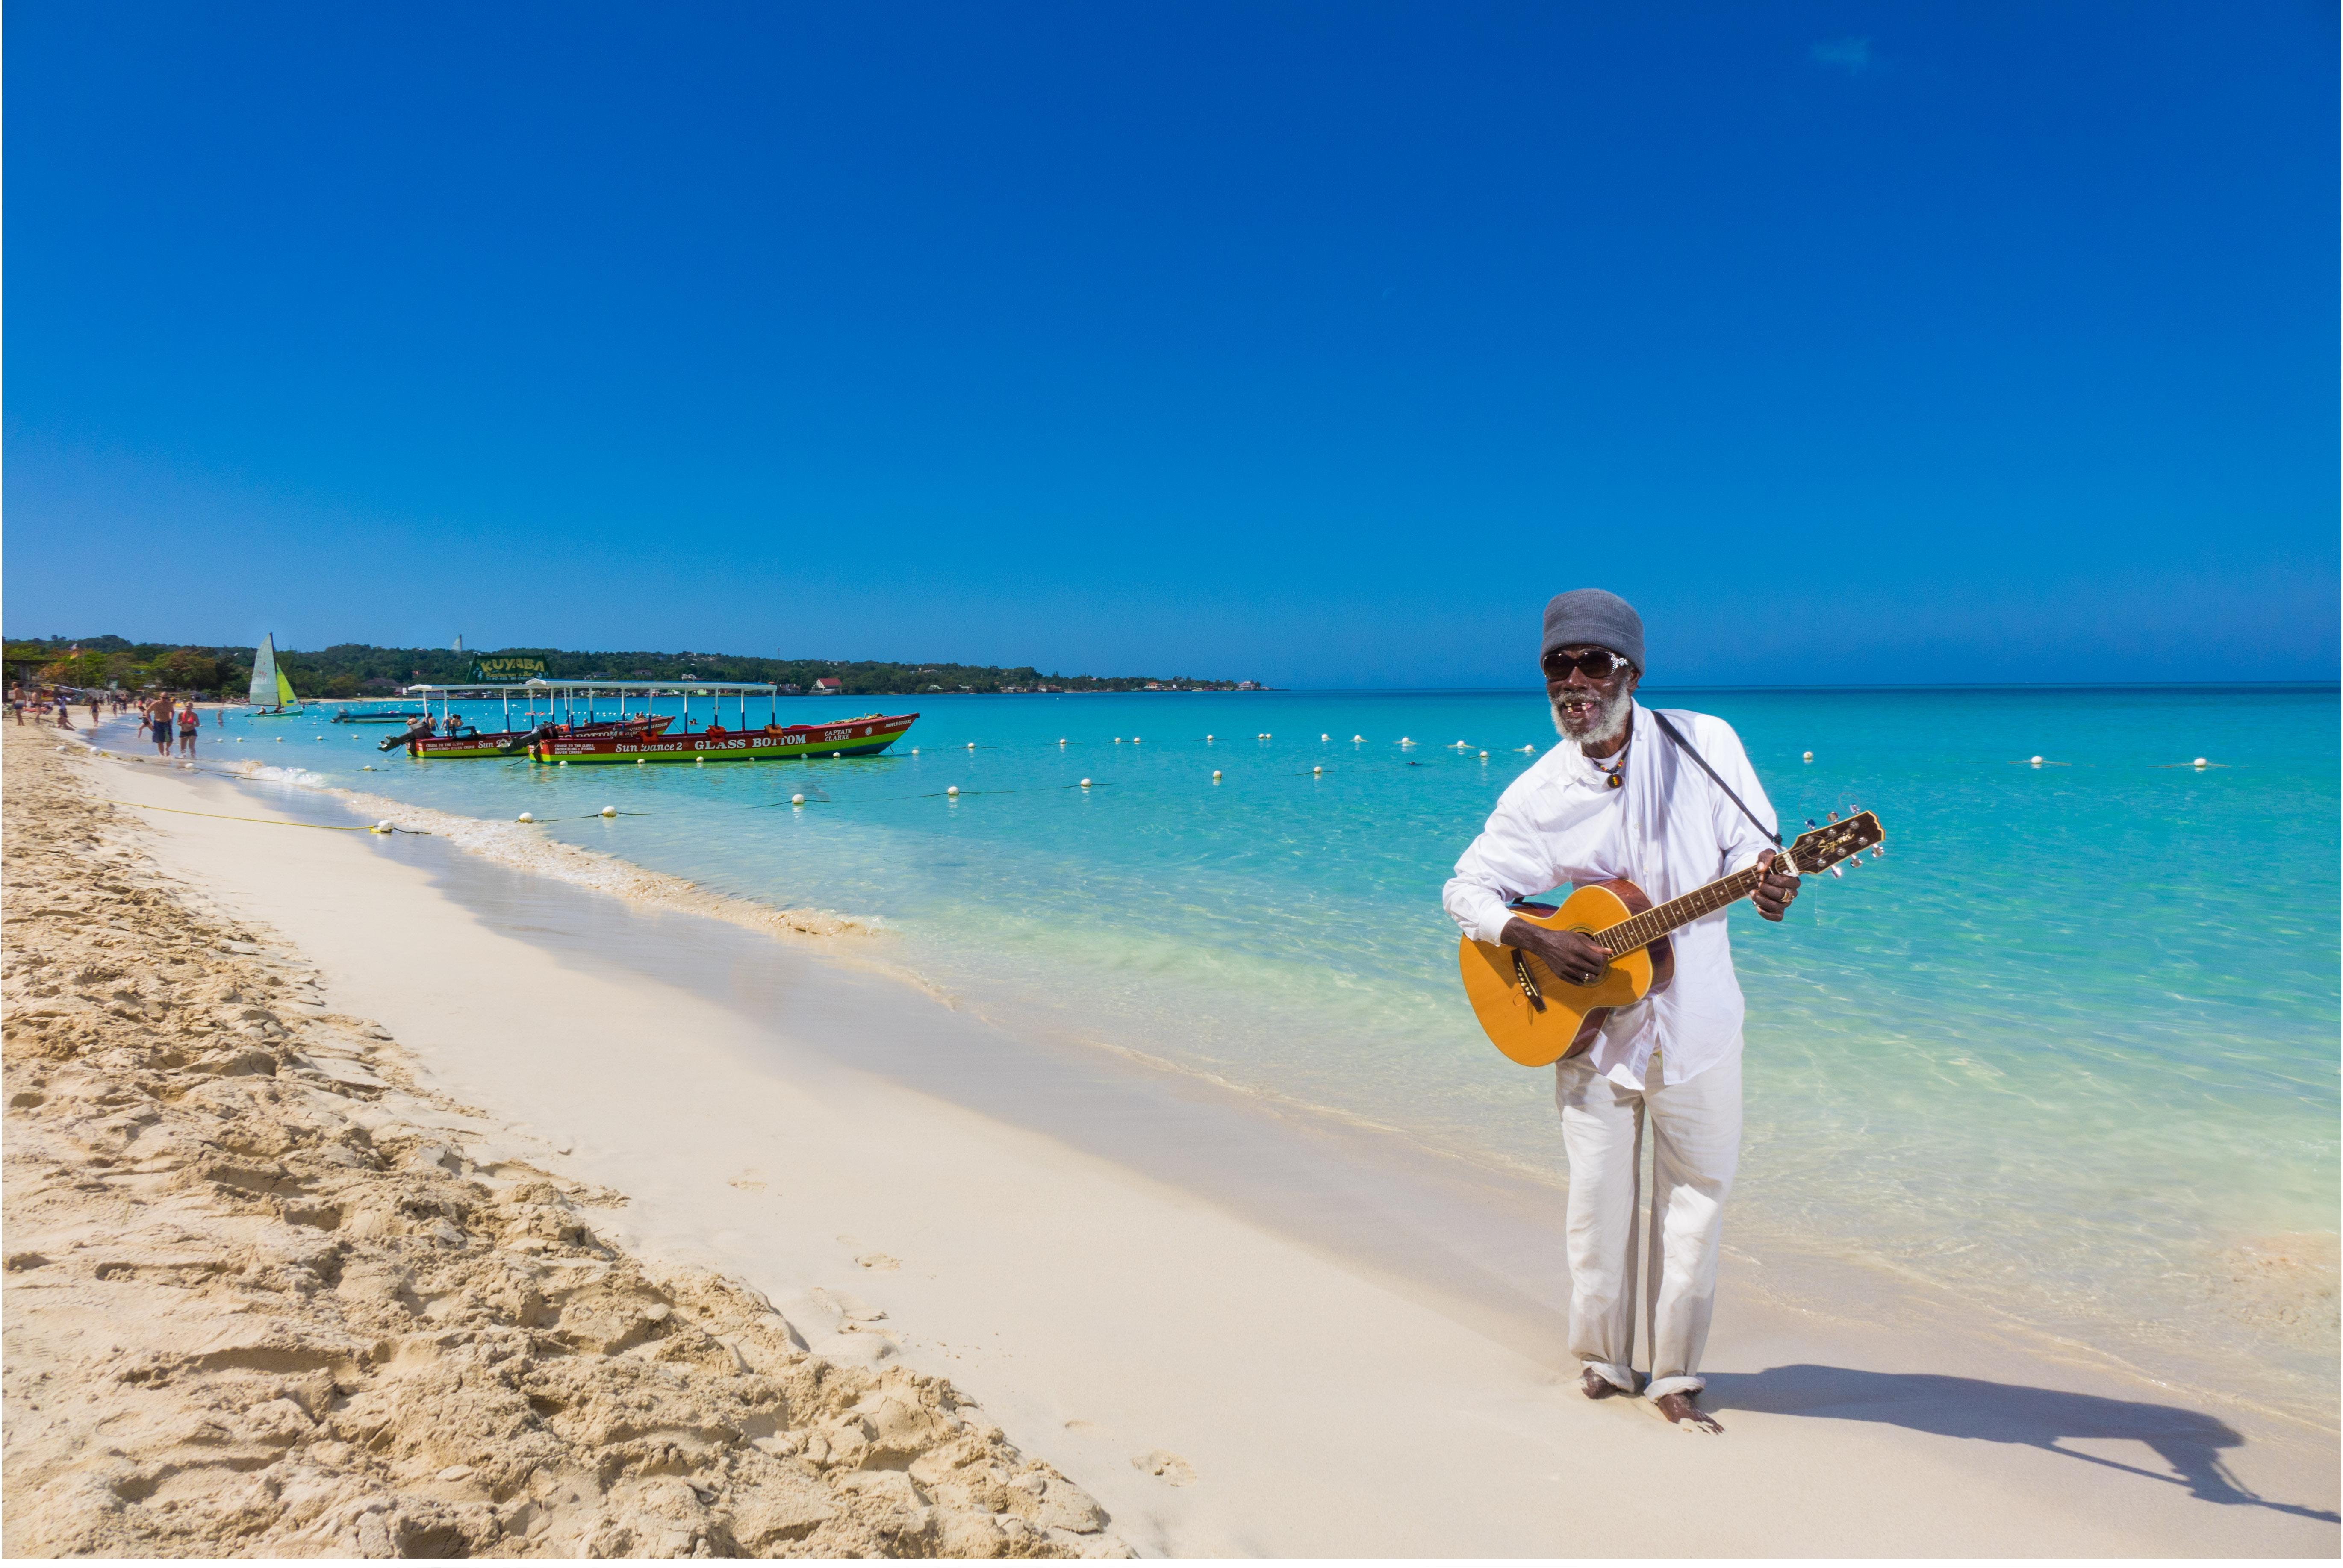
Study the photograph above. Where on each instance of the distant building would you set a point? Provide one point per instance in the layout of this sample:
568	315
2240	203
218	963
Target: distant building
829	685
1248	685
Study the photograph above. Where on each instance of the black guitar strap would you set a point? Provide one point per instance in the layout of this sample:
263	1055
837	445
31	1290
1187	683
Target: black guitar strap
1685	746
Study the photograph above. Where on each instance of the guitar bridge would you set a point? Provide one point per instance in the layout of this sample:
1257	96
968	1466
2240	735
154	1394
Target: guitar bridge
1529	986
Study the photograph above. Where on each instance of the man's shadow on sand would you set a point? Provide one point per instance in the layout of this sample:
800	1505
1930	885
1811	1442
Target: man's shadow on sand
2188	1441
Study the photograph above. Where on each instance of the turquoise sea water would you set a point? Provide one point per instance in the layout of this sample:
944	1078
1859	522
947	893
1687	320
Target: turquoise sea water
2069	1049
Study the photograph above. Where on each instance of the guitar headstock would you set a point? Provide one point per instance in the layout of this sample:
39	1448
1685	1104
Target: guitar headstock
1819	849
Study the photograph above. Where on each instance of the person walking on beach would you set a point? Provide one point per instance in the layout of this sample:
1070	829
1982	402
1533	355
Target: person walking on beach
1620	798
191	723
158	724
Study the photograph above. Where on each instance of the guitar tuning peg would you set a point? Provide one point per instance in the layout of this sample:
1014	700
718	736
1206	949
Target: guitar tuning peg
1836	871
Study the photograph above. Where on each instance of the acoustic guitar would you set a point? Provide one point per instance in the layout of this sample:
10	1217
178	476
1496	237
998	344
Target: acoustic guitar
1537	1018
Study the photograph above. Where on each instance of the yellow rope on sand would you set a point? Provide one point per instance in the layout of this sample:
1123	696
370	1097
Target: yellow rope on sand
263	821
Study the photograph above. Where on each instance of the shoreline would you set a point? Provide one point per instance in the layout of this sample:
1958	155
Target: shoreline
1492	1355
2142	1352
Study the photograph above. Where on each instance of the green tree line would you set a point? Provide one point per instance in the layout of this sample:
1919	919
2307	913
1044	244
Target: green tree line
354	669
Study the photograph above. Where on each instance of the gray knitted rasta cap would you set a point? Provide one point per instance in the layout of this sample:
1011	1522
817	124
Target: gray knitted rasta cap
1591	616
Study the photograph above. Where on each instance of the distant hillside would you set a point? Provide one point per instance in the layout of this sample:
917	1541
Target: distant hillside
360	670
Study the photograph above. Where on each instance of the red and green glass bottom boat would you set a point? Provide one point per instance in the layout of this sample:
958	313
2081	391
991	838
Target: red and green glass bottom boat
865	736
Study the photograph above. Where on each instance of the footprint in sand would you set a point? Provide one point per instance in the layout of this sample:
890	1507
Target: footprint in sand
746	1184
876	1262
1169	1468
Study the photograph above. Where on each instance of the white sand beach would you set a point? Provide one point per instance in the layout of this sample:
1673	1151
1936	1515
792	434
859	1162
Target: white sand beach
1238	1329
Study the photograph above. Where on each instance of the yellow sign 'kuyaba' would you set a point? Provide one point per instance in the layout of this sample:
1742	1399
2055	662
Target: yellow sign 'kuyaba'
487	670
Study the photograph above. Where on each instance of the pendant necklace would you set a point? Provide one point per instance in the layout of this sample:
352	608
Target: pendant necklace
1616	769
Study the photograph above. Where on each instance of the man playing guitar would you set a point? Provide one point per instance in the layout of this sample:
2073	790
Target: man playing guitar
1619	796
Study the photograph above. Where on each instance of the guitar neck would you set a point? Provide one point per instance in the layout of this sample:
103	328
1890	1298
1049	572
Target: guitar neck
1642	930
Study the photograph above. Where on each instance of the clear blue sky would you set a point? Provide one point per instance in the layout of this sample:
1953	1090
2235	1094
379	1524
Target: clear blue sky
1311	342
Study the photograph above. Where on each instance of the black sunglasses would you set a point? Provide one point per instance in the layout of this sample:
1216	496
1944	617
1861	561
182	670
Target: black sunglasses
1595	664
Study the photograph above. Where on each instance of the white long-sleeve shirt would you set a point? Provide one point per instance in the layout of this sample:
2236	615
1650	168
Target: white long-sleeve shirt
1668	831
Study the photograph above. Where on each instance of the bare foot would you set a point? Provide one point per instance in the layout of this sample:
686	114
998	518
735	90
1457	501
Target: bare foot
1680	1409
1594	1385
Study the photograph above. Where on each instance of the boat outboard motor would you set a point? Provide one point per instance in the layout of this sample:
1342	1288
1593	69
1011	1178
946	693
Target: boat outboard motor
419	730
545	731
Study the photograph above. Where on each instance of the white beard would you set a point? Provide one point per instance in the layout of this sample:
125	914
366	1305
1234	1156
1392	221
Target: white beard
1610	721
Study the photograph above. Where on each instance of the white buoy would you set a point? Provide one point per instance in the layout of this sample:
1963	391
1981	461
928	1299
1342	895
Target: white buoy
1317	770
1809	757
1086	783
971	746
1208	740
1529	749
1403	741
1325	737
281	740
564	762
702	761
610	810
1118	740
797	800
2036	760
2201	762
1134	740
951	790
1485	756
384	826
1358	738
525	817
368	767
1216	775
1061	740
915	751
838	754
638	762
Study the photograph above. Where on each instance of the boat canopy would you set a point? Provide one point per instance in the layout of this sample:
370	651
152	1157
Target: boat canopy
484	691
564	699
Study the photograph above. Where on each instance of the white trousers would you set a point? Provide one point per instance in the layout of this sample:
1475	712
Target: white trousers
1696	1145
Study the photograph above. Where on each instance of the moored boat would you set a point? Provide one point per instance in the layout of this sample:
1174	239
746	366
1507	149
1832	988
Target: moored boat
865	736
515	742
377	714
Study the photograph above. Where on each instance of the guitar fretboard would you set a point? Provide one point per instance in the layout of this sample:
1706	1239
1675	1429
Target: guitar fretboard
1642	930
